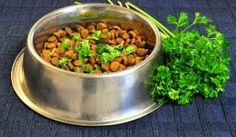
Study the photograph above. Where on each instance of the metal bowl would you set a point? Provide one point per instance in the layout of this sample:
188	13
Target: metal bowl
88	99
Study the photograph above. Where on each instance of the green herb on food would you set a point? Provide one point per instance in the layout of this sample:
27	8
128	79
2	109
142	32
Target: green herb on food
95	35
100	48
129	50
87	68
65	44
64	61
83	50
109	54
75	37
76	49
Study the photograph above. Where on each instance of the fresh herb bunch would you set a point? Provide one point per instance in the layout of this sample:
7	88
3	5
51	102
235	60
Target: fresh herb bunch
196	63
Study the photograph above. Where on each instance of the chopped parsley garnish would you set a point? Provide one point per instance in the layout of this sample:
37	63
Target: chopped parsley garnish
65	44
64	61
84	49
129	50
75	37
95	35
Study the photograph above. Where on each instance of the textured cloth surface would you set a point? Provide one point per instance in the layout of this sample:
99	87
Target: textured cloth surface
202	118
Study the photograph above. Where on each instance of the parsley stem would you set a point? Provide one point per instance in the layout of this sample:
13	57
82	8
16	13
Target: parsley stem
127	6
120	4
157	23
110	2
76	3
189	26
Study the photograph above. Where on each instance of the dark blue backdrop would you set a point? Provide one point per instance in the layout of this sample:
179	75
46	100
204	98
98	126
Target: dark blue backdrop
210	118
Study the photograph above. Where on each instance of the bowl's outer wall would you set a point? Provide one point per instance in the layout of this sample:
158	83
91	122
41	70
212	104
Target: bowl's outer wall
86	97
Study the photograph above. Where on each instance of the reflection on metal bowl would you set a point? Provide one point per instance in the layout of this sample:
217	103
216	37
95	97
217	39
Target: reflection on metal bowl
86	99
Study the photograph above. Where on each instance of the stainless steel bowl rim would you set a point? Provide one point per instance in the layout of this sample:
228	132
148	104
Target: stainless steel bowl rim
30	43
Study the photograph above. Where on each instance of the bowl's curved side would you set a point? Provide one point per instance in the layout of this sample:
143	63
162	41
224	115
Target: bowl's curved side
89	97
24	93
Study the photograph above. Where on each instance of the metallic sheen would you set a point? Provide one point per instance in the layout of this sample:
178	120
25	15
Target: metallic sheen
85	99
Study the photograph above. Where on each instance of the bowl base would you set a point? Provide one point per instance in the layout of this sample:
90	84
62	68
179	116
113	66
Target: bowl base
23	92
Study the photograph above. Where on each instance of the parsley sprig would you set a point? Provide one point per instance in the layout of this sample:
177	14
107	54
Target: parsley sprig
196	63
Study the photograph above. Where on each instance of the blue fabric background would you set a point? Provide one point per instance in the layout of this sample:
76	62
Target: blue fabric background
203	118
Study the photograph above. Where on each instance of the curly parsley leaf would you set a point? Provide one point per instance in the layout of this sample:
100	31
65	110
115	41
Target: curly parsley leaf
64	61
197	63
65	44
75	37
95	35
84	49
129	50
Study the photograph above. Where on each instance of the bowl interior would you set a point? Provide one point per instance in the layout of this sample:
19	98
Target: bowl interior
70	15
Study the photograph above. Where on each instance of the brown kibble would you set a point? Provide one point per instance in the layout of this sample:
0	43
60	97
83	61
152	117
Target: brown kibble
137	59
139	43
53	54
101	26
78	63
84	33
52	39
47	59
125	60
45	53
59	50
116	34
105	30
68	30
45	45
93	47
141	51
91	41
122	67
119	59
111	35
98	61
78	70
143	44
132	34
91	29
97	71
132	41
112	42
51	45
130	60
56	34
114	66
72	44
79	28
70	66
116	27
136	31
60	33
55	61
125	36
127	41
119	40
92	60
69	53
121	32
74	56
105	67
